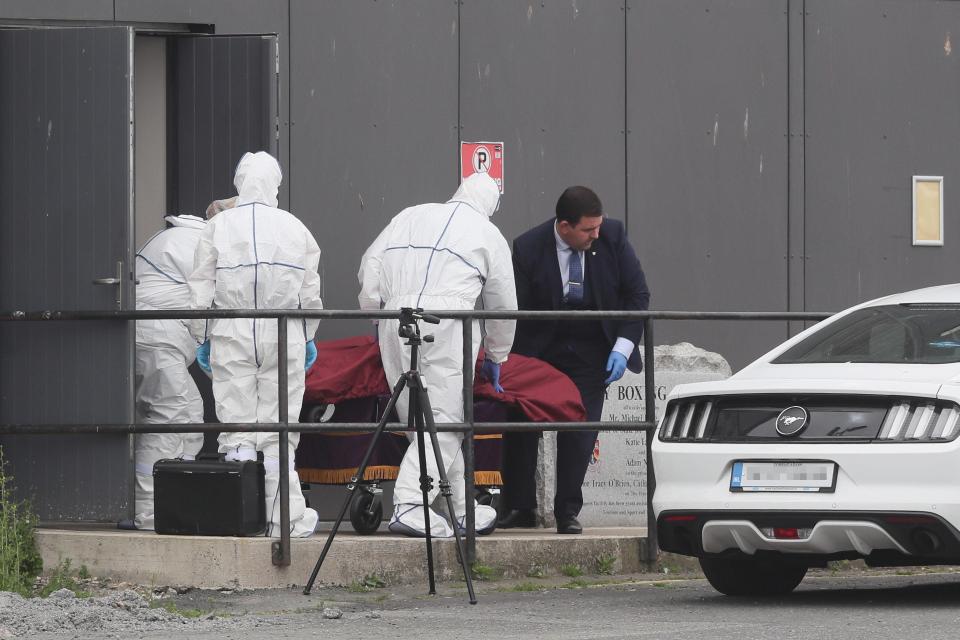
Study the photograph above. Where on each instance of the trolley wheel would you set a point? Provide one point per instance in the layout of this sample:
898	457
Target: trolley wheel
366	511
489	496
319	413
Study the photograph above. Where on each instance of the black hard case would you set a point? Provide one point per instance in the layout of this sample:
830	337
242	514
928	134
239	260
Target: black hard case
209	497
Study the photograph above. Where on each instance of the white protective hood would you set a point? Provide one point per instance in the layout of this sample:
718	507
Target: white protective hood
258	179
187	221
480	191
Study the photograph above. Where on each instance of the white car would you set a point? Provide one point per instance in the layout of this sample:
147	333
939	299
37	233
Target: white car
841	443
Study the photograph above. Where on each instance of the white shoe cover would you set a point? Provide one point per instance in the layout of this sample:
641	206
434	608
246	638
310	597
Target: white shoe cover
307	525
484	519
408	520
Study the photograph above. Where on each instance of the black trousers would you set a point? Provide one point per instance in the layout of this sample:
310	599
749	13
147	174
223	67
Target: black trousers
574	448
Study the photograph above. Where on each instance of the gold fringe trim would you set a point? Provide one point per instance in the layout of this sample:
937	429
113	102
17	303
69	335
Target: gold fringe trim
342	476
487	478
381	472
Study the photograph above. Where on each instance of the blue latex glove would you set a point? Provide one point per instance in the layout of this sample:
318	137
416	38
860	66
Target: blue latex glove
203	356
491	371
616	365
311	355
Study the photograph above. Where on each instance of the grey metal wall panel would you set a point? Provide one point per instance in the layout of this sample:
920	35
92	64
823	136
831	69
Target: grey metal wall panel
547	79
230	17
56	10
221	107
374	112
65	211
882	100
707	168
796	178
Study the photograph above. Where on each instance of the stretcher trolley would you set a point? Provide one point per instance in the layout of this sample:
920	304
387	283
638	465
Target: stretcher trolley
347	385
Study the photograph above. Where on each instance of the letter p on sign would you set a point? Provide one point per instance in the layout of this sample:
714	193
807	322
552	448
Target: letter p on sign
482	157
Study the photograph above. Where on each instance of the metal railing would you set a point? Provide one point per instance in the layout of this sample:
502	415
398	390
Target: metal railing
469	427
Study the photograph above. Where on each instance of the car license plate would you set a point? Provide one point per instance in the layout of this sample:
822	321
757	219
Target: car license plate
802	476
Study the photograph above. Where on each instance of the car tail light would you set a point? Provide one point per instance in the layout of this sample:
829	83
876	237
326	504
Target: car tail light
920	421
680	518
687	420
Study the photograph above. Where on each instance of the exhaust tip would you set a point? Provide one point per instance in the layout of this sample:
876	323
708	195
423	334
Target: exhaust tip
925	541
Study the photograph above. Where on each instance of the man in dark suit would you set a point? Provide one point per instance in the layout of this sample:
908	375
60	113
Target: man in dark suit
569	263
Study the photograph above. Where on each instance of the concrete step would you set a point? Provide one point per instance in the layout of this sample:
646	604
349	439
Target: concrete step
212	562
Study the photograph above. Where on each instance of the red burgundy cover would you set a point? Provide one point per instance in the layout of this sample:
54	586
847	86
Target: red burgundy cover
350	368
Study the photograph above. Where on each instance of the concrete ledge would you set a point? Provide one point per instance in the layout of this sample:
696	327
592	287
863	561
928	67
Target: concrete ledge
212	562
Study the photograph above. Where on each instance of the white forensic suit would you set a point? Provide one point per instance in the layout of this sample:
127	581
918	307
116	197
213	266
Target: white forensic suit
166	393
256	256
440	257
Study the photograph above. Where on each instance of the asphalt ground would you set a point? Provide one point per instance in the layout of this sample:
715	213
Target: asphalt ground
849	604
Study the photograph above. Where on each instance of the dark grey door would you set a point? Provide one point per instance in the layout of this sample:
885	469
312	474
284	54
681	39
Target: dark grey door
223	99
223	96
66	131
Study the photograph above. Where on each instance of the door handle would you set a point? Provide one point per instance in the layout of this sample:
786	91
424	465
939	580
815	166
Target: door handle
116	281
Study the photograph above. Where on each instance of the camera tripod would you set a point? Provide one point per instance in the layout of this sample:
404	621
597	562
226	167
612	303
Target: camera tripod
420	418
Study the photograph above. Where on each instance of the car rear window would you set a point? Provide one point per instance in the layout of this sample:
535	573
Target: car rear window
918	333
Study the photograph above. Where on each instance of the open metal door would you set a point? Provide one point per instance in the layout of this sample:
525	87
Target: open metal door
222	100
223	96
66	164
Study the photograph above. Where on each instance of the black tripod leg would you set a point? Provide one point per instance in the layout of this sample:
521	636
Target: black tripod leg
397	390
415	419
426	412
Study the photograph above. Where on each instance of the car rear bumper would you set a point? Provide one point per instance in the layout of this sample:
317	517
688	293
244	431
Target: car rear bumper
873	477
884	537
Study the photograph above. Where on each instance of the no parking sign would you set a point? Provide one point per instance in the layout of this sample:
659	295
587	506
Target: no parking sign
482	157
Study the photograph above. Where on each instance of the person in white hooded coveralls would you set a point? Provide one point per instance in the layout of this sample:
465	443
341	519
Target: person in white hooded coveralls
257	256
166	393
441	256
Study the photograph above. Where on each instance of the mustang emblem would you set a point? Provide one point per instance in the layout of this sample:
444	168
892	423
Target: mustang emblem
792	421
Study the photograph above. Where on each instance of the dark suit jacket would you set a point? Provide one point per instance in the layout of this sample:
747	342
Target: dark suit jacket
613	275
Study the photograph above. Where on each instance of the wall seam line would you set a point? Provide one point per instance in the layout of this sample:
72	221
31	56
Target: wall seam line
626	123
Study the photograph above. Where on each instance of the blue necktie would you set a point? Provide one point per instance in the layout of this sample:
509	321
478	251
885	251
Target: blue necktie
575	289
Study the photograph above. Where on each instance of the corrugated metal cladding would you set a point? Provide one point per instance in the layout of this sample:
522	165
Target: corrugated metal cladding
881	107
707	173
767	164
547	78
707	117
65	179
374	125
223	96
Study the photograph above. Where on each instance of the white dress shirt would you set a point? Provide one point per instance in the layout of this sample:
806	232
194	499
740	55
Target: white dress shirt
623	345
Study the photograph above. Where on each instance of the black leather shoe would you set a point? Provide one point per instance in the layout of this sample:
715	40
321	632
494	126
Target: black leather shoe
525	518
569	525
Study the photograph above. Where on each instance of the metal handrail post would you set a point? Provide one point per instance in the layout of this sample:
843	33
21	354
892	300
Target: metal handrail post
281	550
469	465
650	411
